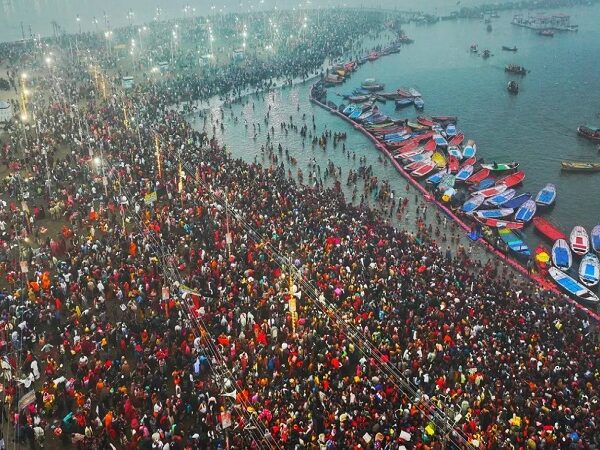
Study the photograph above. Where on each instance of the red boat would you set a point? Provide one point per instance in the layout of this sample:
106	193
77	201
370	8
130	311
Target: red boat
469	162
408	147
512	179
452	119
430	145
478	176
548	229
453	164
403	92
424	136
425	121
424	170
497	223
403	144
416	165
457	140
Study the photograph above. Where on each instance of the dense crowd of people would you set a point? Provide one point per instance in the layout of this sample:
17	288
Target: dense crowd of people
156	312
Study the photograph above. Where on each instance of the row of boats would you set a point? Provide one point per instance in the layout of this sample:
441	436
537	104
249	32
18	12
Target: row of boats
433	149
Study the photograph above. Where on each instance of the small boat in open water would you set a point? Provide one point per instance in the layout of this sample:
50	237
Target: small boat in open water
572	286
546	196
512	87
589	132
515	68
580	166
509	49
548	229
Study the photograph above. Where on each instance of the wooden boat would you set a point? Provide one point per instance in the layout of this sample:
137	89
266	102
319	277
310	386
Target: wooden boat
440	141
424	170
414	93
509	49
478	176
374	87
419	103
546	196
515	68
447	182
458	139
589	270
453	164
425	121
501	167
491	191
561	255
501	198
409	154
359	98
494	213
464	173
445	119
526	211
542	258
469	151
425	156
595	238
580	166
430	145
416	165
486	54
579	239
513	179
515	243
403	92
497	223
451	130
473	203
517	201
436	177
468	162
453	150
416	126
572	286
439	159
548	229
484	184
547	33
589	132
349	109
403	102
513	87
407	148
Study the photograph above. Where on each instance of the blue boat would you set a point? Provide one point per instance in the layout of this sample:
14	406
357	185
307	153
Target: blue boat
595	238
464	173
440	141
349	109
392	136
546	196
404	102
356	113
517	201
469	151
572	286
473	203
400	138
419	103
526	211
451	130
436	177
484	184
589	270
514	240
501	198
561	255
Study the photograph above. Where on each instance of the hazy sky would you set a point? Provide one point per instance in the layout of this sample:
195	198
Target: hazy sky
40	13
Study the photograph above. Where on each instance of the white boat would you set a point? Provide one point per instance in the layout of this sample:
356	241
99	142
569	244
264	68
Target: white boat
572	286
580	241
589	270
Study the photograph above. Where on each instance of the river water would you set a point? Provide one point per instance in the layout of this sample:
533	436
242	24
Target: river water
537	127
